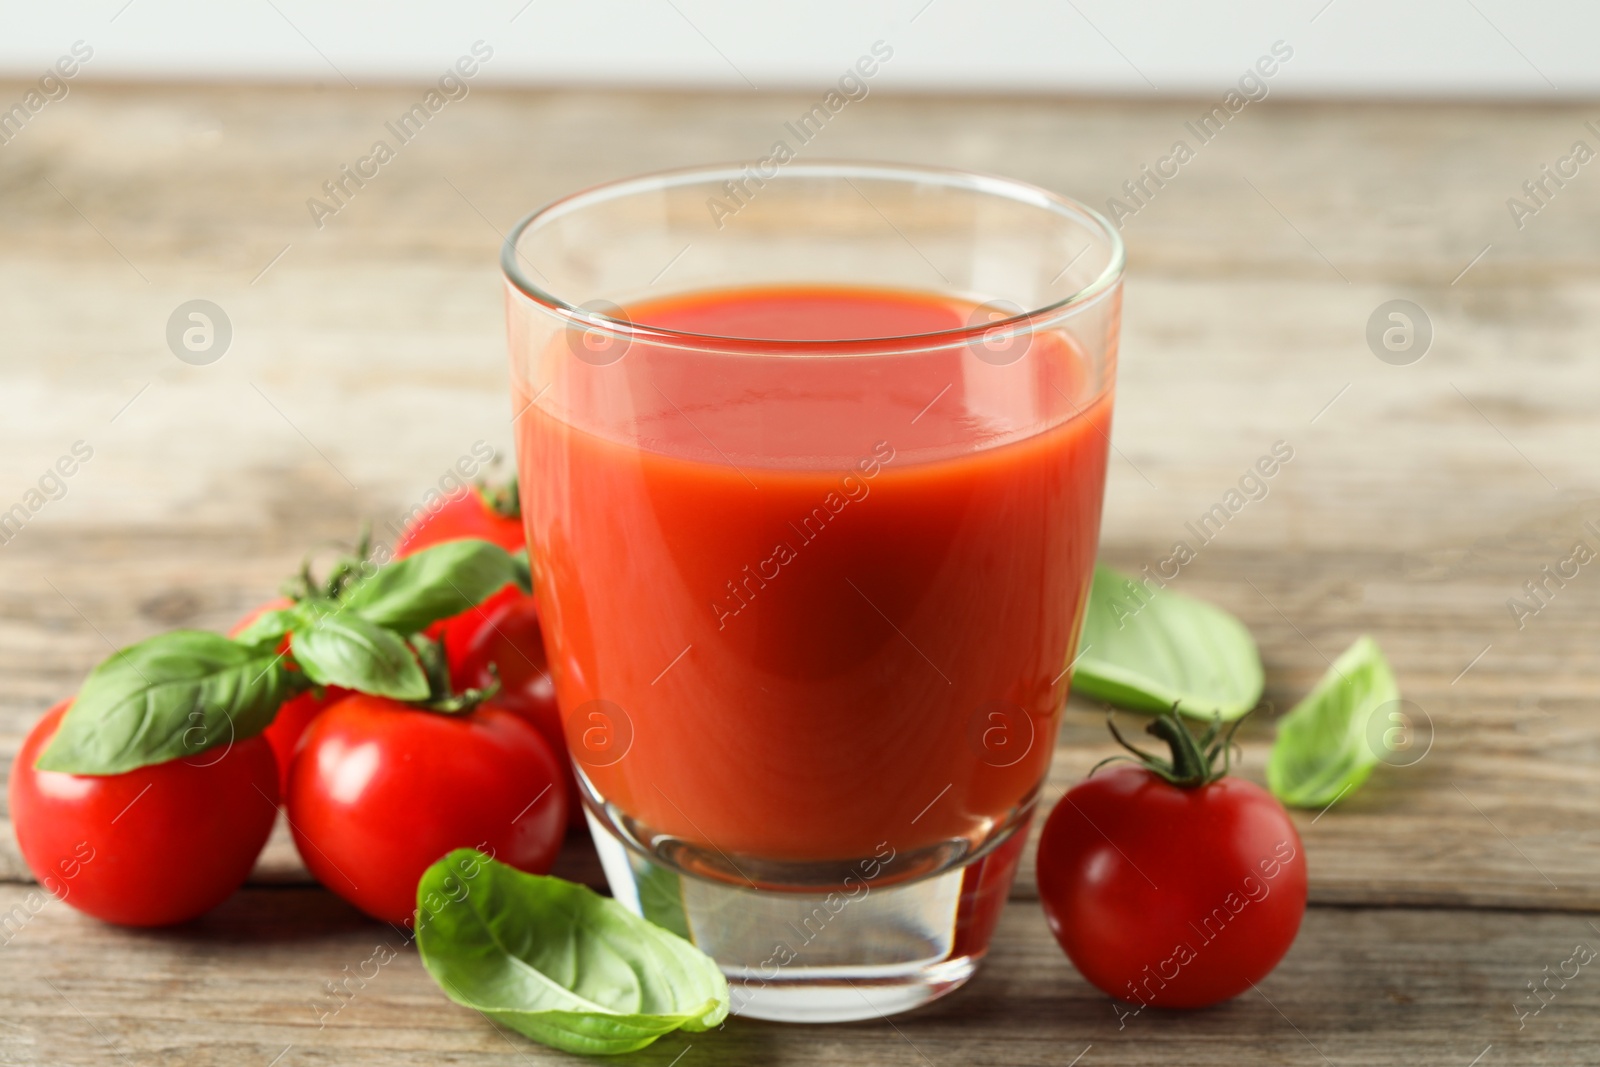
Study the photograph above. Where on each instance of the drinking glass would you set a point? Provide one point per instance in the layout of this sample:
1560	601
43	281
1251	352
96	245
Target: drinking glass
812	459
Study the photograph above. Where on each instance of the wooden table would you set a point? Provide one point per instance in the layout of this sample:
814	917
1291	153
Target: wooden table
366	356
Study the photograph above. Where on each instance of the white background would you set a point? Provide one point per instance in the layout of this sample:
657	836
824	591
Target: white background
1442	48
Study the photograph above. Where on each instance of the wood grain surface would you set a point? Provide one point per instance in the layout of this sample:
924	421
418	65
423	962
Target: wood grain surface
367	356
250	983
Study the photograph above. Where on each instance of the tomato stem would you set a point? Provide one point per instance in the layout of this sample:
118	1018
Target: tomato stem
344	571
1193	762
501	499
442	697
1189	764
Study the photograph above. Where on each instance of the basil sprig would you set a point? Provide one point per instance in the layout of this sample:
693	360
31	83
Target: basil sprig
558	962
178	694
1326	745
1152	649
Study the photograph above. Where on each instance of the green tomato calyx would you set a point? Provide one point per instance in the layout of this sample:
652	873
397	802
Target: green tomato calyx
1194	761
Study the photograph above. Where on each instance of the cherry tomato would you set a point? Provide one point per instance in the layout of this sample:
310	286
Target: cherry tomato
1169	895
468	514
463	515
378	791
150	847
297	712
512	643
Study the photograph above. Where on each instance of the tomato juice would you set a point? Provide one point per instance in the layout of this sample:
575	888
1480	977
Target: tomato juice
825	599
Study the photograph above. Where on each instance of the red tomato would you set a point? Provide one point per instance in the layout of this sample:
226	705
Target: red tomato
467	514
1171	896
378	791
290	725
463	515
154	846
297	712
511	641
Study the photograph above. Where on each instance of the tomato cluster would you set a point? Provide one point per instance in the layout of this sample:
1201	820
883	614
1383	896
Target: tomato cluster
374	790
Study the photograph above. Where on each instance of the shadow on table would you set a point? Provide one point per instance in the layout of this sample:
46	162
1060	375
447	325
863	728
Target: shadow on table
272	915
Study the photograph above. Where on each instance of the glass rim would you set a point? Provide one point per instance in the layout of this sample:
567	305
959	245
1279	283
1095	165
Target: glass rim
953	178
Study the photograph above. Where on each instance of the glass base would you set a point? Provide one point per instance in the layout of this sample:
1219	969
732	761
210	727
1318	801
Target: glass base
861	951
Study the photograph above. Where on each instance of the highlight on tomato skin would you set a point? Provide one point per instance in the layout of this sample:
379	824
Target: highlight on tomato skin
1171	886
154	846
289	725
379	791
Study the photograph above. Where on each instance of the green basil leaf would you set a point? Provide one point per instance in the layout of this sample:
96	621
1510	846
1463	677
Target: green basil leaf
436	583
270	627
661	898
172	696
1148	649
346	650
1325	748
557	961
523	565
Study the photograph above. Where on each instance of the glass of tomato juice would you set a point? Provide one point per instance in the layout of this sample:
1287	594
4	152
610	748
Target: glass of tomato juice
812	458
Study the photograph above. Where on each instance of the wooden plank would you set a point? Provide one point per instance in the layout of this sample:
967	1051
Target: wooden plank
249	983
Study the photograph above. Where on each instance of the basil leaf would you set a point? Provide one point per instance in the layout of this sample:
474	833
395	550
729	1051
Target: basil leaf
349	651
1324	748
270	627
661	898
174	695
1148	649
523	565
557	961
436	583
